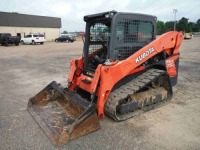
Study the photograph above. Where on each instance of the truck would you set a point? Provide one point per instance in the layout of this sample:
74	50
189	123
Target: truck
188	35
7	38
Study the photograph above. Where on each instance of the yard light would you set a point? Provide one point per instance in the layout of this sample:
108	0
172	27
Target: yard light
175	11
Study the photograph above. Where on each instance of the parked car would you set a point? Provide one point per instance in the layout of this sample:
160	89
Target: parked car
73	37
188	35
65	39
33	39
7	38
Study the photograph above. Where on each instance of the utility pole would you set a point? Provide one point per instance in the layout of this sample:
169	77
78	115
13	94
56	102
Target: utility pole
175	11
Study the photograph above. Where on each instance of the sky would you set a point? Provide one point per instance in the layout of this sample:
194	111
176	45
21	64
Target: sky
71	12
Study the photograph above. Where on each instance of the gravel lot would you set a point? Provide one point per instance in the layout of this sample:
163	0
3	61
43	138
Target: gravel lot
26	69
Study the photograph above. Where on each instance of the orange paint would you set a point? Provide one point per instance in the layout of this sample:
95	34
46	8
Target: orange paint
106	77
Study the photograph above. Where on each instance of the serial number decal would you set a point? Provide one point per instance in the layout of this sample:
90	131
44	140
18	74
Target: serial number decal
169	63
144	55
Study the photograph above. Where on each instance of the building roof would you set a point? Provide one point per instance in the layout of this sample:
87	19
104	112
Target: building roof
23	20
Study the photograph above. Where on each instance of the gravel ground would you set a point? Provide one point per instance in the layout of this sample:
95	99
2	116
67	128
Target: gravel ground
26	69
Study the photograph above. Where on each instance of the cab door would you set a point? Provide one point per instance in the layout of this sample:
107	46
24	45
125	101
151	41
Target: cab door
27	39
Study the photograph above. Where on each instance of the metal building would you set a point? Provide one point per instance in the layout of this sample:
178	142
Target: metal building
22	24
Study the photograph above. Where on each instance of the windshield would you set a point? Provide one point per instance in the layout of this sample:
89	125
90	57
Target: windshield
38	35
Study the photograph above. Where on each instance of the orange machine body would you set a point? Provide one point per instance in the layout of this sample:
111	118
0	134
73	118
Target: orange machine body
106	77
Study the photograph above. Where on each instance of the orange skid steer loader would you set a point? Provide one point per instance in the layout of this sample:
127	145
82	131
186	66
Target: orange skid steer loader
124	71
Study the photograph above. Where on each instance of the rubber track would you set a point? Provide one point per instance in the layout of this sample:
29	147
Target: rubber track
130	88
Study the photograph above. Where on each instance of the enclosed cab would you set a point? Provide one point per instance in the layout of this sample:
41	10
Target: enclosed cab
115	36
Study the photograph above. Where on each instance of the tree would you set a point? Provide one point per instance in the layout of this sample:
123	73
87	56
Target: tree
190	26
196	28
160	27
169	25
198	22
65	32
183	25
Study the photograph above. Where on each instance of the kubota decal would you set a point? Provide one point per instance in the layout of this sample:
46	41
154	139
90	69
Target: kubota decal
144	55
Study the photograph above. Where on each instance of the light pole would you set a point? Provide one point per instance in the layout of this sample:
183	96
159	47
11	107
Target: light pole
174	11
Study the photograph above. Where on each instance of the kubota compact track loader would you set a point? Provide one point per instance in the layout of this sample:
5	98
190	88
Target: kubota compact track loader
125	70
